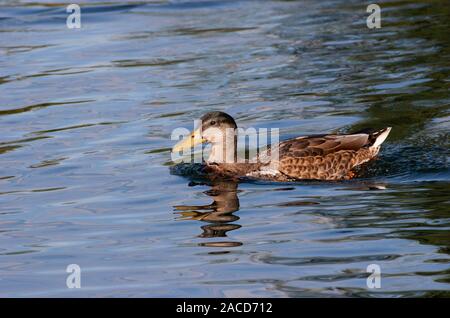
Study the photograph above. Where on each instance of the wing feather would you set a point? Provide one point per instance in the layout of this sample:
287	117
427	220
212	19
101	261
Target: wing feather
322	145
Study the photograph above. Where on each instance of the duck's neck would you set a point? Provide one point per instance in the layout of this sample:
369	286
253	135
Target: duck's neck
224	151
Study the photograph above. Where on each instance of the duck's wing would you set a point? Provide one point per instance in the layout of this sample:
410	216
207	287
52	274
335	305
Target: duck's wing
325	157
322	145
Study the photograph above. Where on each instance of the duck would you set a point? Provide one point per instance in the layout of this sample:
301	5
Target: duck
313	157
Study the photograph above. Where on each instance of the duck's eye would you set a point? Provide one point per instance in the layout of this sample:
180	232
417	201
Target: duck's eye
212	122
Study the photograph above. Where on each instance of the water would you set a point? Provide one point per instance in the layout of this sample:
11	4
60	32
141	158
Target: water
85	121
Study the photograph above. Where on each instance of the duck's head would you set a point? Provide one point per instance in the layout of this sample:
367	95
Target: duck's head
215	128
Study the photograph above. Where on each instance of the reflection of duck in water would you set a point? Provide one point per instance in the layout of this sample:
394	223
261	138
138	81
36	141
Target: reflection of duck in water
320	157
219	213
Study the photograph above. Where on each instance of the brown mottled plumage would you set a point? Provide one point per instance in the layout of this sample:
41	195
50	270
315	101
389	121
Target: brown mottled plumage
328	157
319	157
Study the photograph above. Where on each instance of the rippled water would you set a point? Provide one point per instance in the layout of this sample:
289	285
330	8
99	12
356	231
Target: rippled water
85	123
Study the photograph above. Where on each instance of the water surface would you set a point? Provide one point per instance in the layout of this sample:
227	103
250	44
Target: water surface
85	123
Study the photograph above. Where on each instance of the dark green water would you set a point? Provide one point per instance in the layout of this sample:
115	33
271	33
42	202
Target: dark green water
85	123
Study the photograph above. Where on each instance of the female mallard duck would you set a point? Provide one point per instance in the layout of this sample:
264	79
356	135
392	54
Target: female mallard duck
317	157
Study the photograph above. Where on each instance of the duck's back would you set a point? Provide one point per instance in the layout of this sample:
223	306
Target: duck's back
326	157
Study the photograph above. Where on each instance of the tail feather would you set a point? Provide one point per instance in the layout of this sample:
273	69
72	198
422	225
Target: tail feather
380	136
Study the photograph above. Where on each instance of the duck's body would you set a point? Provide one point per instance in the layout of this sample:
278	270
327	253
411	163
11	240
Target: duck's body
319	157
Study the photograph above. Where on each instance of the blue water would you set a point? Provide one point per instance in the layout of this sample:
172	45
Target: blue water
85	122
